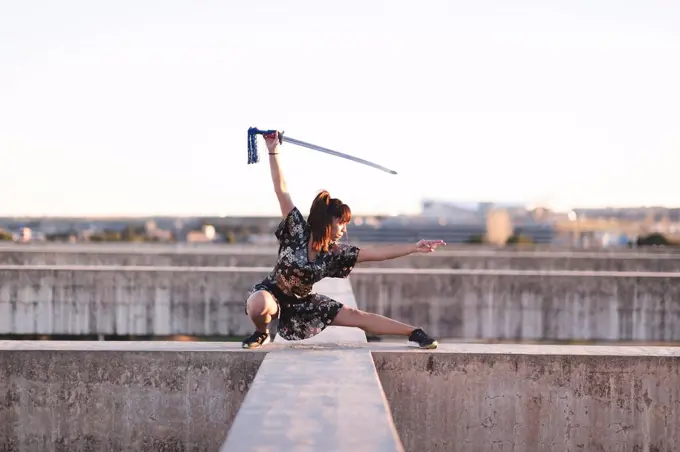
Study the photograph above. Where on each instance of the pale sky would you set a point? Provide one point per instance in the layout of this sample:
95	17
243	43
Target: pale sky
142	107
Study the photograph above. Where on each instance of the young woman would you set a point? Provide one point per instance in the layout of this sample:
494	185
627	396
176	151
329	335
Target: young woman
309	252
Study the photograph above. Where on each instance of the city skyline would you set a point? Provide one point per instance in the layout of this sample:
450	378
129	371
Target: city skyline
136	109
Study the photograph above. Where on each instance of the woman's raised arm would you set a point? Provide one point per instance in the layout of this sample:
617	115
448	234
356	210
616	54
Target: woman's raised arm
280	188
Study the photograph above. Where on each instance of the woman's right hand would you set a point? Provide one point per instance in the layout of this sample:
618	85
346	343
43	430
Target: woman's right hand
272	141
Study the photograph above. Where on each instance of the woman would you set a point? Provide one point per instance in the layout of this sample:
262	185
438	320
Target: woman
309	252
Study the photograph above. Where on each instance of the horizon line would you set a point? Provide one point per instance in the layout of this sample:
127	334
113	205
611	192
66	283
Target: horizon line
277	214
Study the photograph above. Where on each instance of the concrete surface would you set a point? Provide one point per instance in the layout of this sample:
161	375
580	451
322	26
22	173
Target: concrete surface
455	257
331	392
462	304
139	301
170	396
319	394
120	396
526	305
658	351
535	399
315	400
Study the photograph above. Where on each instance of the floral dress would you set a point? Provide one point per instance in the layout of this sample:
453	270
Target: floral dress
303	313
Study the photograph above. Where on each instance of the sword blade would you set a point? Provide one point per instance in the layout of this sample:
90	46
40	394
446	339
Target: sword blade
337	154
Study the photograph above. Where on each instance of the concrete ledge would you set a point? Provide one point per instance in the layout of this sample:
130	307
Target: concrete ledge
305	398
221	255
83	300
523	305
534	398
315	401
308	396
448	303
365	271
533	349
120	396
327	394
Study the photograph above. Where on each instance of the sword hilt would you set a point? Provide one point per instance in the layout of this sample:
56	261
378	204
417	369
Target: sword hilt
256	131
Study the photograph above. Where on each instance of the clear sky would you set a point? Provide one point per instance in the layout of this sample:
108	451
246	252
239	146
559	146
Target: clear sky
142	107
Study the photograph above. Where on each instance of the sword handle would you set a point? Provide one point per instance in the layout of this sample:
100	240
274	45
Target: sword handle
267	132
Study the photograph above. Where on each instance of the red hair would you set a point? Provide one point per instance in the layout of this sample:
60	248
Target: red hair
324	210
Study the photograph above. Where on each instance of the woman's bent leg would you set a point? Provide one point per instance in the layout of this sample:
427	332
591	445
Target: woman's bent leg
261	307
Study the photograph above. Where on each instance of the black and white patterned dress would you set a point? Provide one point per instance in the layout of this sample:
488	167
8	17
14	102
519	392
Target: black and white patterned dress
303	313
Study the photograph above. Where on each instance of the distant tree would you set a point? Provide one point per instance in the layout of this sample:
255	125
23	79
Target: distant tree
59	236
230	237
106	236
655	239
132	234
475	239
519	239
233	234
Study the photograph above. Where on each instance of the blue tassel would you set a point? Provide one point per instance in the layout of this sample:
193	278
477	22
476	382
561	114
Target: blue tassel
253	156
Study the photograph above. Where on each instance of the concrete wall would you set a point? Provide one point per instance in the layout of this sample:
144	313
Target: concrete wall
125	301
136	396
517	305
448	303
121	400
451	402
318	394
332	393
148	257
226	256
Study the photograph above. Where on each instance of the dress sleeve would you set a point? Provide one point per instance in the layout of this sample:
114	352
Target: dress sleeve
343	259
291	228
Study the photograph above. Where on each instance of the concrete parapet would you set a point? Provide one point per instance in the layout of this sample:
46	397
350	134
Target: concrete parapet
319	394
462	304
141	301
144	396
526	305
153	256
113	396
467	398
251	256
336	392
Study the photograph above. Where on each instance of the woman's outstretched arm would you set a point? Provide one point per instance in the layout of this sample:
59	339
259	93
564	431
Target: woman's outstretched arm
383	253
280	188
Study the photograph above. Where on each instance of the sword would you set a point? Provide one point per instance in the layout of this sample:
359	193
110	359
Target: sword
253	157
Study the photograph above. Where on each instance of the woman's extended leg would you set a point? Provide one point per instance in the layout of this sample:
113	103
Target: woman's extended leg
261	307
381	325
372	323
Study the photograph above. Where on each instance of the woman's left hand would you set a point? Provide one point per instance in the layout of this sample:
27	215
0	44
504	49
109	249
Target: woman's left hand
428	246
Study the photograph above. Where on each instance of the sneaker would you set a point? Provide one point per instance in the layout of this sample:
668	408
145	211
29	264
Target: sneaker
256	340
420	339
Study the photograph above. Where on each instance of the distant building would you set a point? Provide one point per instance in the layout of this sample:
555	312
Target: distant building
450	212
205	235
498	226
23	235
160	235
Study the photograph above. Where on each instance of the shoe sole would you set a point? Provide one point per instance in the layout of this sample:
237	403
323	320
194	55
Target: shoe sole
256	345
432	346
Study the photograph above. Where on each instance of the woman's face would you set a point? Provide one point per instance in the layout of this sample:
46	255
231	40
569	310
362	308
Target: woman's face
338	229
